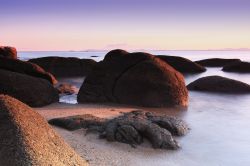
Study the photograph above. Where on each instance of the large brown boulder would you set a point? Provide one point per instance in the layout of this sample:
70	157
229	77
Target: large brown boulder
27	68
183	65
240	67
33	91
217	62
219	84
65	67
27	139
8	52
136	79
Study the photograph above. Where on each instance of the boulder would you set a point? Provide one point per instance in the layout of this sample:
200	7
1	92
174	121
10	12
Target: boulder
27	139
33	91
65	67
130	128
217	62
8	52
240	67
219	84
135	79
183	65
27	68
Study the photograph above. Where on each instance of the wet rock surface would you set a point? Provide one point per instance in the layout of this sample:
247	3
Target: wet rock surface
130	128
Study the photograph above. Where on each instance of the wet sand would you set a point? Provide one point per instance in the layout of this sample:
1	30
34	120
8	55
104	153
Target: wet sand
219	134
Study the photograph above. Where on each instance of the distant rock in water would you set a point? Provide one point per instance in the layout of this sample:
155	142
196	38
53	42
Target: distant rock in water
135	79
67	89
183	65
219	84
240	67
94	56
65	67
33	91
27	139
130	128
217	62
8	52
27	68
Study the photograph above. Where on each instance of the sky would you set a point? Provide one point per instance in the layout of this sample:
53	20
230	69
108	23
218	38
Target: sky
57	25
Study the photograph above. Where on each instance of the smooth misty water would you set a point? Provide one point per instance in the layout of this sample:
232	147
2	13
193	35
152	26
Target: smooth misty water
219	123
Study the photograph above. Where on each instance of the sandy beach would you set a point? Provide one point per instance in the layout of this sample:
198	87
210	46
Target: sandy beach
210	141
99	151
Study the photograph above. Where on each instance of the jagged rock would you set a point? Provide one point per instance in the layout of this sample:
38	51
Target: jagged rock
183	65
33	91
219	84
65	67
135	79
27	139
240	67
27	68
130	128
217	62
8	52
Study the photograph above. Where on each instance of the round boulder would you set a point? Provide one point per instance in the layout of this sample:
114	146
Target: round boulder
219	84
183	65
8	52
217	62
27	139
65	67
27	68
240	67
33	91
135	79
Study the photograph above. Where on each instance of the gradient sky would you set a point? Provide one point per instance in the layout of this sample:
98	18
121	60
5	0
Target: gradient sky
128	24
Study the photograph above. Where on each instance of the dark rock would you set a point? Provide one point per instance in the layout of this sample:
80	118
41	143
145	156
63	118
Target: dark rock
219	84
183	65
67	89
27	139
217	62
27	68
31	90
240	67
77	122
65	67
135	79
94	56
8	52
131	128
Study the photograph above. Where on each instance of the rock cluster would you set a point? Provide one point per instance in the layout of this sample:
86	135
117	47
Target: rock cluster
131	128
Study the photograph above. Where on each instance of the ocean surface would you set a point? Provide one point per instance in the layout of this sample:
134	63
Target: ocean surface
220	123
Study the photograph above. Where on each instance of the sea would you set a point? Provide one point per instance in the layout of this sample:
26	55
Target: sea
220	123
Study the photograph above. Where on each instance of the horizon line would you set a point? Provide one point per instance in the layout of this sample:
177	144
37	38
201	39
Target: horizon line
97	50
